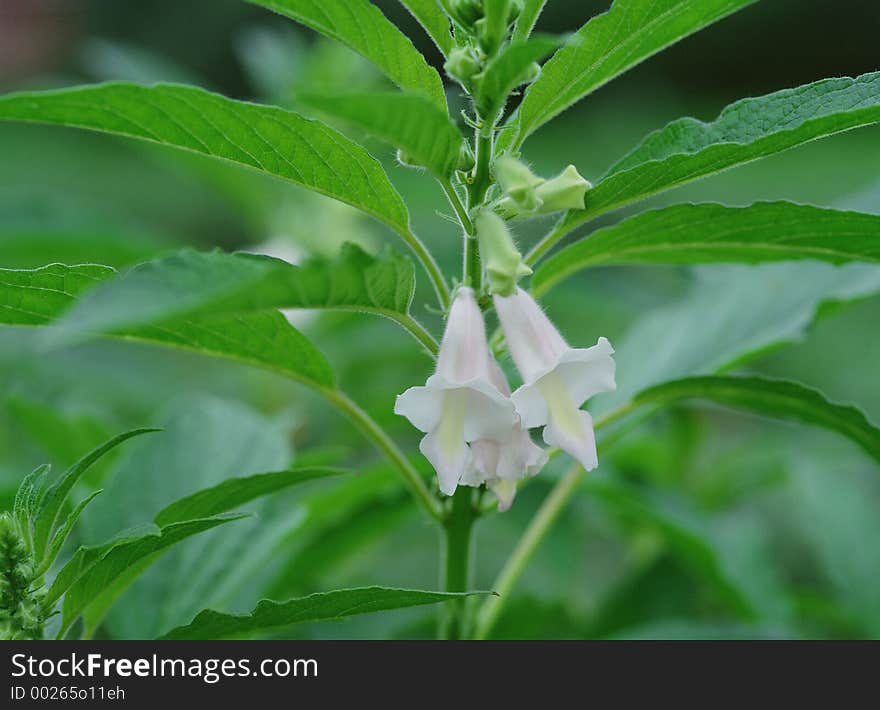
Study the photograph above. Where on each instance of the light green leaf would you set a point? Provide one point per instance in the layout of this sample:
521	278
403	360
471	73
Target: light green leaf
361	25
407	121
709	233
61	535
774	398
608	45
508	70
108	562
237	491
263	339
527	19
434	20
689	149
268	139
323	606
28	495
53	499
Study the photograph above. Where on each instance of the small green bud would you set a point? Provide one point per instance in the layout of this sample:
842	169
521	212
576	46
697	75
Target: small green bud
502	260
466	160
531	74
462	64
564	192
21	607
466	12
519	183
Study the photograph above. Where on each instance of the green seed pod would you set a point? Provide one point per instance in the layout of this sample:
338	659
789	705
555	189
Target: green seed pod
564	192
502	260
462	65
519	183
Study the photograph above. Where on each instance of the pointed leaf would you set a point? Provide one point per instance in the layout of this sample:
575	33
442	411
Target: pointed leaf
120	557
27	494
237	491
772	398
63	532
54	497
609	44
361	25
689	149
527	19
410	122
265	138
323	606
709	233
434	20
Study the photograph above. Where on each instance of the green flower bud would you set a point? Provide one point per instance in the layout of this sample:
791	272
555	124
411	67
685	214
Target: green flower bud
516	8
462	64
21	607
466	160
502	260
466	12
564	192
519	183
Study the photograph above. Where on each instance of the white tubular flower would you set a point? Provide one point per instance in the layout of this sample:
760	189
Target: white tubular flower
558	379
459	403
501	463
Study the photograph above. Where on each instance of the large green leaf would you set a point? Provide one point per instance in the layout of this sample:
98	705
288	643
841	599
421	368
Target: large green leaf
508	70
191	284
111	561
337	604
263	339
608	45
707	233
773	398
234	492
688	149
268	139
433	19
407	121
361	25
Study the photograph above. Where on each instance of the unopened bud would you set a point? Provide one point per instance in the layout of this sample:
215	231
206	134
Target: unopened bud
462	64
519	183
466	12
503	261
564	192
466	160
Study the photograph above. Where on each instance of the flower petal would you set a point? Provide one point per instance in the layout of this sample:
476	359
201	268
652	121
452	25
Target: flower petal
450	462
505	492
422	406
578	442
533	341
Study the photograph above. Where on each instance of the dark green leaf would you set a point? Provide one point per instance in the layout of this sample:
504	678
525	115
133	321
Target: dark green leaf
709	233
337	604
773	398
361	25
63	532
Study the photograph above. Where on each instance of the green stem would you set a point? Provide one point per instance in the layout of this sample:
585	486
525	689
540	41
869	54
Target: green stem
546	243
458	206
457	545
419	332
430	265
481	179
384	443
535	533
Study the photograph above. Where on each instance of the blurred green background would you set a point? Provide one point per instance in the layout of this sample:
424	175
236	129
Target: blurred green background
700	523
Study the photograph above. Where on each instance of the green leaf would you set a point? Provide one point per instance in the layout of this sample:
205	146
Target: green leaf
711	233
608	45
264	339
265	138
100	567
754	128
434	20
63	532
237	491
508	70
190	284
527	19
53	499
324	606
28	494
407	121
774	398
361	25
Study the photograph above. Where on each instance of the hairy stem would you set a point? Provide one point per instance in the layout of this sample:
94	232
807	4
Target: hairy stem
420	333
457	545
386	445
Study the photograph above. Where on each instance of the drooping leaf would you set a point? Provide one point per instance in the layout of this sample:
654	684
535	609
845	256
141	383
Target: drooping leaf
265	138
688	149
527	19
433	19
263	339
237	491
608	45
323	606
116	559
508	70
53	498
709	233
410	122
774	398
361	25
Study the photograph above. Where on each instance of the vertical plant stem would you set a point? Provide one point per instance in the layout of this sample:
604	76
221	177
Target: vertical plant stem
457	543
426	258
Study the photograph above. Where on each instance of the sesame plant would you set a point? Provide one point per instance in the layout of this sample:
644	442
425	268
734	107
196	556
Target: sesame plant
503	394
